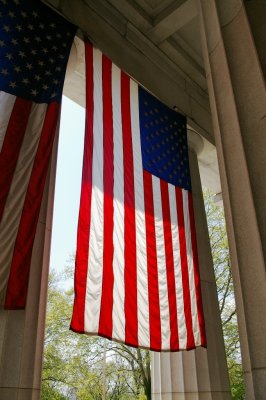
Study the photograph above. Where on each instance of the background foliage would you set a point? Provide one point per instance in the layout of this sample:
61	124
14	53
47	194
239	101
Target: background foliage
224	282
78	367
75	365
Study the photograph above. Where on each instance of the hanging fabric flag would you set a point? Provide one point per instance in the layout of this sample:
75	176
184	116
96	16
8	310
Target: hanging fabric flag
34	48
137	276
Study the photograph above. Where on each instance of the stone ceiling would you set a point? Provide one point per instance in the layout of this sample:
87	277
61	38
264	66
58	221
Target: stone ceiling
158	43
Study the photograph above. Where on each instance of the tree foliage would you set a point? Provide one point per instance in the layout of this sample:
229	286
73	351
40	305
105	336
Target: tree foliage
224	281
77	366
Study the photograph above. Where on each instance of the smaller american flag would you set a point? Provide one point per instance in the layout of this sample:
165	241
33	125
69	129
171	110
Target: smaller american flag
34	47
137	276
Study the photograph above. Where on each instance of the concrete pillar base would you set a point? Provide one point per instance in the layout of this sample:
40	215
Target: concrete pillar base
19	394
192	396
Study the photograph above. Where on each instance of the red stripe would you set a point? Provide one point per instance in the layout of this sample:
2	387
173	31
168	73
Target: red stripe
169	258
16	293
153	287
106	321
81	268
184	268
131	324
11	147
196	271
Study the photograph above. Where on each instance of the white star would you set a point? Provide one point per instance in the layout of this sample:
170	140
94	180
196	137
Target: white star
9	56
37	77
38	39
44	50
6	28
14	42
17	68
31	27
24	15
58	68
26	40
22	54
45	87
29	66
48	73
11	14
61	56
68	34
53	94
64	44
58	35
41	63
19	28
35	14
34	52
48	37
4	71
54	48
16	1
3	1
2	43
51	60
52	25
34	92
25	81
55	81
12	84
41	26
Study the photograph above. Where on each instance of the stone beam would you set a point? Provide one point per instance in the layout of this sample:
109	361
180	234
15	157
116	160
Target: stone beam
179	56
134	13
147	64
171	20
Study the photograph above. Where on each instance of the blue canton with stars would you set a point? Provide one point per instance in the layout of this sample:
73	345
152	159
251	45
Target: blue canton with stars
163	141
34	48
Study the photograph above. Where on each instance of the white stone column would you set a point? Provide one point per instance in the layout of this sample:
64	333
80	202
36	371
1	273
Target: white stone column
198	374
155	376
178	376
166	378
22	331
238	104
256	11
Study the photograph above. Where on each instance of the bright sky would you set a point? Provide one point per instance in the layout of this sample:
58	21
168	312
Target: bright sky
68	180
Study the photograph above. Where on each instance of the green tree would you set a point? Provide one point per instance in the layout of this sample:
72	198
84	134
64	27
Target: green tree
66	362
73	364
137	363
223	274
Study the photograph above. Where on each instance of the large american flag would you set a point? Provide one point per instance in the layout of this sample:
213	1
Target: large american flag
34	49
137	274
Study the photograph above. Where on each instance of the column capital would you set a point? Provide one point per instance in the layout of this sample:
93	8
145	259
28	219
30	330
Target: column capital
195	141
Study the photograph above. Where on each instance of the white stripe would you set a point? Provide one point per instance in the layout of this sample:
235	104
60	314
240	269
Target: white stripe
182	330
194	310
118	233
142	272
160	250
95	262
15	200
6	106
